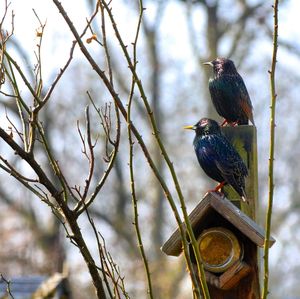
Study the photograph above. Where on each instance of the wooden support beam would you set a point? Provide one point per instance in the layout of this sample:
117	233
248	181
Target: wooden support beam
244	139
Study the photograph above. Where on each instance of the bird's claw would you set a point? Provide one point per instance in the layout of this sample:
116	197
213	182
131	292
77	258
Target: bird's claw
231	124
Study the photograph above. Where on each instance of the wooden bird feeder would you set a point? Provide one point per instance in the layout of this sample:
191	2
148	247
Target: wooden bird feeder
227	234
226	238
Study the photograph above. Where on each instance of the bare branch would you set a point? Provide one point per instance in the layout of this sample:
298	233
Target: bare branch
131	171
13	126
21	73
62	70
28	186
106	268
272	151
21	105
105	45
104	115
8	287
15	173
91	156
55	166
30	160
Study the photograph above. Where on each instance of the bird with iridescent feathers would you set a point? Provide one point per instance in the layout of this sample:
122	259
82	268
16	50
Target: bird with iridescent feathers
229	93
217	157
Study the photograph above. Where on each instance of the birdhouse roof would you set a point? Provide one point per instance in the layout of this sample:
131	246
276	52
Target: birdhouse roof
206	211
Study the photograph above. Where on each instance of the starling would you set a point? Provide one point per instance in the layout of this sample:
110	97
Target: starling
218	158
229	93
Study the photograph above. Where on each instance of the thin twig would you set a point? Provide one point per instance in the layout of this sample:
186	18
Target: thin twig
271	154
3	40
13	125
131	171
7	95
24	183
38	86
91	156
101	255
110	72
16	173
43	179
12	78
8	283
6	5
105	45
55	166
82	138
20	104
108	266
110	158
62	70
38	67
21	73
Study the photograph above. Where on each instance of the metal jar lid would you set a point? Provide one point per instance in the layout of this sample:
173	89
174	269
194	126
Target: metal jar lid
219	249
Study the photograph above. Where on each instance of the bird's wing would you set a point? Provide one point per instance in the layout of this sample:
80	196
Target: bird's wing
231	171
206	155
244	99
225	93
230	164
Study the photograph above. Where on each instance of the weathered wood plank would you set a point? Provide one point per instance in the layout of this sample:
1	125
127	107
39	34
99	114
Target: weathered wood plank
233	276
240	220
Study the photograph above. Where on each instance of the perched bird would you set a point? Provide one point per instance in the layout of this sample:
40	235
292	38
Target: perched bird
229	93
218	158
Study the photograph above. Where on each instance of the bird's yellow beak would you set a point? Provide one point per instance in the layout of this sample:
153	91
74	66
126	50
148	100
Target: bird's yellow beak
189	127
208	63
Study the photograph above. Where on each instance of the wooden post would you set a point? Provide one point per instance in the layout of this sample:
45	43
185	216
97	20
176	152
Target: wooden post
243	138
216	213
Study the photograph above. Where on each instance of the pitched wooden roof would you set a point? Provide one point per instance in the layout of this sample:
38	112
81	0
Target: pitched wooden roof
213	203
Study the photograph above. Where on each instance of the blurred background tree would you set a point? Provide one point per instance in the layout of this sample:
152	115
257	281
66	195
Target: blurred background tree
176	38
